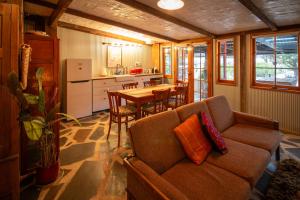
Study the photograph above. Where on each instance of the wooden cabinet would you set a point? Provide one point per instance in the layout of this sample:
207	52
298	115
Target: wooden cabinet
9	127
45	54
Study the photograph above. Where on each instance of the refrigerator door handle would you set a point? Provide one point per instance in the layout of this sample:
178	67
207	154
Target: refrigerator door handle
80	81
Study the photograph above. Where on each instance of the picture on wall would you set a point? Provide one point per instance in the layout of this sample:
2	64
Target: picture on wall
114	56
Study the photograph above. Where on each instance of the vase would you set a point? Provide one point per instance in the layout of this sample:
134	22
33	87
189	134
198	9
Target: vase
46	175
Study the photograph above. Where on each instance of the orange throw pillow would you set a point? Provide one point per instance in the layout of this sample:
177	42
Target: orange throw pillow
195	144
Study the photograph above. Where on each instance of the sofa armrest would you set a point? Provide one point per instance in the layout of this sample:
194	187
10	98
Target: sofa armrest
144	183
245	118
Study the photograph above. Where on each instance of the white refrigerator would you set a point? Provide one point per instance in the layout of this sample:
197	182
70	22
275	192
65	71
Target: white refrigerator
79	87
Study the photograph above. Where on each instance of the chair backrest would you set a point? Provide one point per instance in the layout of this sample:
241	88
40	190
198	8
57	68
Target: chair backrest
114	102
160	101
182	83
150	83
181	95
130	85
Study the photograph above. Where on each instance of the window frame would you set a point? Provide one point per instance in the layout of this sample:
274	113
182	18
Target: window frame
266	86
164	62
184	64
218	66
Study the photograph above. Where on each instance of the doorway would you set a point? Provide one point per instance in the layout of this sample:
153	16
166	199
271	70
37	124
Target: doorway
200	72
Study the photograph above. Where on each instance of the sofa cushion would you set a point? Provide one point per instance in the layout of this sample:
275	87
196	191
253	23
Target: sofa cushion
268	139
220	112
193	140
246	161
212	133
186	111
154	141
207	182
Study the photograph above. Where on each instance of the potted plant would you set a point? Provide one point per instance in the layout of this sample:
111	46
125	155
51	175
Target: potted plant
38	123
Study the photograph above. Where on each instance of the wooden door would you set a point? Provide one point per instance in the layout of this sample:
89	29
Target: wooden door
9	129
44	54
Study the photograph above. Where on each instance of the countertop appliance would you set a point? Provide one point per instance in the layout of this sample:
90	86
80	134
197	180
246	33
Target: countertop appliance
79	87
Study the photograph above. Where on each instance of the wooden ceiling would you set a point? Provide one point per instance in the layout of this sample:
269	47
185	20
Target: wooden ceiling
143	19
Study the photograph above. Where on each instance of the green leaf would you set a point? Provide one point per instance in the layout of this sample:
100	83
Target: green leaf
31	99
69	117
48	132
41	101
34	129
39	76
51	114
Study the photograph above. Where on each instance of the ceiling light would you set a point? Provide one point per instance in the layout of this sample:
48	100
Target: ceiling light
170	4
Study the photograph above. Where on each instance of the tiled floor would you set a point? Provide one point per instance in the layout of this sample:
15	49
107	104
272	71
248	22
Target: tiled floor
91	166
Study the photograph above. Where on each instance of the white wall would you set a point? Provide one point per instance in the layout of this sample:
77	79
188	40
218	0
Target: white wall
232	93
75	44
281	106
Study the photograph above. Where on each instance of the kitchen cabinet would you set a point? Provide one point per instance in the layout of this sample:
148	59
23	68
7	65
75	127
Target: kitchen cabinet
102	85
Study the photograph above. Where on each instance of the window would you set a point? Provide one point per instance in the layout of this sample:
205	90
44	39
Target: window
226	62
167	62
275	61
182	73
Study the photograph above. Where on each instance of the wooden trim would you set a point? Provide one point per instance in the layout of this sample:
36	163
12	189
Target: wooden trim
258	13
289	28
98	32
164	62
196	40
191	73
62	5
218	80
148	9
265	86
243	73
145	182
210	67
42	3
175	60
121	25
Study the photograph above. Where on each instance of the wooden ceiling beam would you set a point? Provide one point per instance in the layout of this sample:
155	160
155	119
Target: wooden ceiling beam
62	5
258	13
118	24
98	32
43	3
157	13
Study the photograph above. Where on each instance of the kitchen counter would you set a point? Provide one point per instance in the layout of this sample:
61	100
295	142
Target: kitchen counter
114	76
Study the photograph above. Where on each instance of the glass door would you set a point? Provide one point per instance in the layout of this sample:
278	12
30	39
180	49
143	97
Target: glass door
200	73
182	73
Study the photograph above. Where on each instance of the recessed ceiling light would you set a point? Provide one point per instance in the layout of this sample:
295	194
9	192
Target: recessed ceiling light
170	4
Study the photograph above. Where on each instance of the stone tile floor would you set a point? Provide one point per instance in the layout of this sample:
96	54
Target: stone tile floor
92	167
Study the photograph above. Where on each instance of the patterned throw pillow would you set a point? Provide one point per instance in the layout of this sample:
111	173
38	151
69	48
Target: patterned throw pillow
212	133
194	142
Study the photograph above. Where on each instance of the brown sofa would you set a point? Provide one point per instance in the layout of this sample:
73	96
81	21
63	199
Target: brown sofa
160	169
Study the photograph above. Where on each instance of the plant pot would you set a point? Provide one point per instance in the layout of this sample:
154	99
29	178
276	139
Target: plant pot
46	175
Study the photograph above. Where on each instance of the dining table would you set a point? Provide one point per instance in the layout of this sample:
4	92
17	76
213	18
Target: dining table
141	96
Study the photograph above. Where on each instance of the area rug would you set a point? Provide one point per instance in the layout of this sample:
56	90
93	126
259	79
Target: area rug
285	184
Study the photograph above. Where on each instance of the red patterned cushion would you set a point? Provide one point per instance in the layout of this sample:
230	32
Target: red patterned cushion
212	133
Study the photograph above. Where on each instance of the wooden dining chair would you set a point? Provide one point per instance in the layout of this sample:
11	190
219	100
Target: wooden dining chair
127	86
181	83
159	103
180	97
119	114
150	83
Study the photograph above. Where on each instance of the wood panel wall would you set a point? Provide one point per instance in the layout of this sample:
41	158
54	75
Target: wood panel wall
9	128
